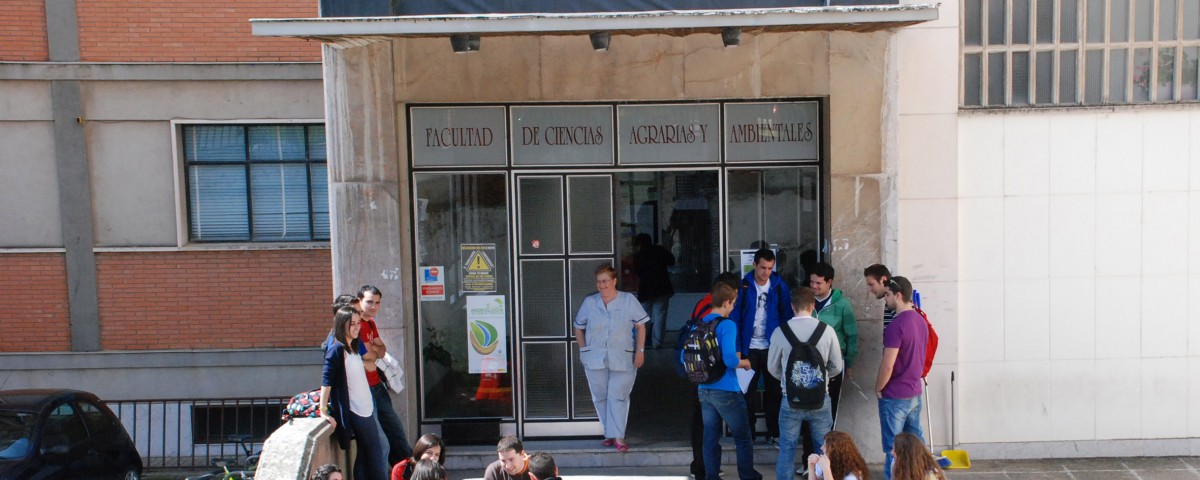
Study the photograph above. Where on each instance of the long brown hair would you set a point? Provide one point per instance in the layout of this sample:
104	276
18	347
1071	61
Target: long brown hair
913	460
426	442
843	457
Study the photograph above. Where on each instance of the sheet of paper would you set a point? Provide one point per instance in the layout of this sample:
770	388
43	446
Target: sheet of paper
744	377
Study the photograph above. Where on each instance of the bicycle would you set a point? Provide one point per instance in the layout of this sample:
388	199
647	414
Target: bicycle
239	471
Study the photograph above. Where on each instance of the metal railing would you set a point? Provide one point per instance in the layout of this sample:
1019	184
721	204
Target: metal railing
185	433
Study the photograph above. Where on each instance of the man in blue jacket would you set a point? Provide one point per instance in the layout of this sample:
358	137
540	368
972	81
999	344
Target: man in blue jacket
763	302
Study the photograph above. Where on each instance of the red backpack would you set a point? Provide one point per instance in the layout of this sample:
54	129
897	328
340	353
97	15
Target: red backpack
931	343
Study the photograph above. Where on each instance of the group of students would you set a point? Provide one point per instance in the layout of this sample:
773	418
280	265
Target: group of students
354	394
426	463
759	324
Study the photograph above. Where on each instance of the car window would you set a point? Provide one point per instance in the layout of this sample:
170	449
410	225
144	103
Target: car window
63	427
96	418
16	430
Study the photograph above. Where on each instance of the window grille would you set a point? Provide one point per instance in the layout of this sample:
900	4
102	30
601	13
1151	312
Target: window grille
1020	53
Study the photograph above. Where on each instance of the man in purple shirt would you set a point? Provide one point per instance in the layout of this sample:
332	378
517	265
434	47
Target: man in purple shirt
898	385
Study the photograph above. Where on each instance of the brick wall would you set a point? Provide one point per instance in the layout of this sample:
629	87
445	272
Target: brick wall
34	316
214	299
23	31
189	31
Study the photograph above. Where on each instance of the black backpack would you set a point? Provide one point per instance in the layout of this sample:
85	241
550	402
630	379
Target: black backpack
702	353
805	377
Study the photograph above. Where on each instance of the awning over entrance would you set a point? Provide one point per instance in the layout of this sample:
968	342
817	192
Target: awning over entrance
867	18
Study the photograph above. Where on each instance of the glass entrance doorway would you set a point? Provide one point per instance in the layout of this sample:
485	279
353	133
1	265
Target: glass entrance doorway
570	224
509	229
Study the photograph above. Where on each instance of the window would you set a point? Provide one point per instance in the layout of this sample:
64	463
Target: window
1019	53
63	428
224	423
259	183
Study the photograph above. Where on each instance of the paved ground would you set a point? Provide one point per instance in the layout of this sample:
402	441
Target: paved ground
1141	468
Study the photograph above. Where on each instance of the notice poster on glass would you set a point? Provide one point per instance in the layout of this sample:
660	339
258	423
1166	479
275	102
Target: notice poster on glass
479	267
486	331
433	284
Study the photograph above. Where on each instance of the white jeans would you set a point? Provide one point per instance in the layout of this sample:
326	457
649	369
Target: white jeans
610	394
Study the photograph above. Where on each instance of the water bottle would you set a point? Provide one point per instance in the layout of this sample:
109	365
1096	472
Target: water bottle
916	298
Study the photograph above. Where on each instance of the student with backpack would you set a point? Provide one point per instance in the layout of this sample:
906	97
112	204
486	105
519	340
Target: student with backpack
898	385
805	354
710	358
702	308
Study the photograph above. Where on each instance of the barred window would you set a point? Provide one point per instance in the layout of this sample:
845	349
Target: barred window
258	183
1018	53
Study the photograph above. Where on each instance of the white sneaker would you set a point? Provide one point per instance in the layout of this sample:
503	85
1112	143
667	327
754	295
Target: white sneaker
802	471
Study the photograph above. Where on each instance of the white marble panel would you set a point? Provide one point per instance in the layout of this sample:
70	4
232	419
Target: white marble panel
928	234
1118	234
1027	401
947	15
1164	397
1193	323
1119	385
1072	236
980	321
981	412
1027	319
1193	250
1072	318
981	238
1119	153
980	155
1026	237
1073	153
928	156
1118	317
1165	145
940	302
928	74
1026	154
1164	316
1073	399
1193	374
1164	230
1194	151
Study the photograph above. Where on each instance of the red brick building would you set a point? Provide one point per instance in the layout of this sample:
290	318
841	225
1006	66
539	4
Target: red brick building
130	266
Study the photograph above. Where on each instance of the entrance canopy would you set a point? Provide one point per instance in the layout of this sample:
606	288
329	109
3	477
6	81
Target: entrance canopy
866	18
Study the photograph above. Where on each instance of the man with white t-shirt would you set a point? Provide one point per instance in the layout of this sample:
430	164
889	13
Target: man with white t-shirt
762	303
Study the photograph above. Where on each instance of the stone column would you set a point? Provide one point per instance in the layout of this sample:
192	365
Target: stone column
369	196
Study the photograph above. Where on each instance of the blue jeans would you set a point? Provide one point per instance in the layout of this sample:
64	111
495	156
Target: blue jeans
369	463
898	415
398	447
820	421
717	405
657	309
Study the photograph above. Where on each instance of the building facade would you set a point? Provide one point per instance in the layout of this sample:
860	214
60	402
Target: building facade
128	265
1028	164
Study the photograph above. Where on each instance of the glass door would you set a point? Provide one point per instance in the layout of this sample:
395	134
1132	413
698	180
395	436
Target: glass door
777	208
565	230
464	272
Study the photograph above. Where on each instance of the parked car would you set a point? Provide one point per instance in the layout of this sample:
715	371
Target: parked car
63	434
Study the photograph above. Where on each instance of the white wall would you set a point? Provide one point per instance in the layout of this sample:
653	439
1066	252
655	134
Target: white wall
923	160
1078	253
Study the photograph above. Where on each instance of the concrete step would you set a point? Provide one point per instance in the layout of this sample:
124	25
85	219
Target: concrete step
589	454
